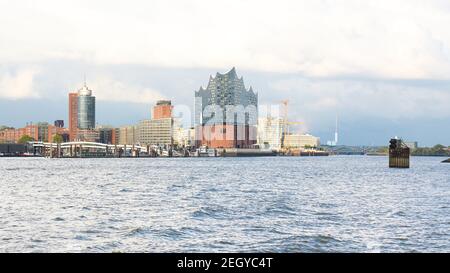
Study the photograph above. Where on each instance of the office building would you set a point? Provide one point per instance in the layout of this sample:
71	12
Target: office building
107	134
270	132
86	109
156	132
301	141
162	109
128	135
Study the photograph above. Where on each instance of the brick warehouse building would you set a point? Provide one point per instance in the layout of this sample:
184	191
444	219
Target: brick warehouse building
41	131
73	115
162	109
226	113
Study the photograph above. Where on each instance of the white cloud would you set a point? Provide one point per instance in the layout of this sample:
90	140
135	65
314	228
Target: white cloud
393	100
18	85
383	38
107	89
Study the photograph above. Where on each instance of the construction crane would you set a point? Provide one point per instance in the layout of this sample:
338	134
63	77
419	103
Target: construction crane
291	123
286	122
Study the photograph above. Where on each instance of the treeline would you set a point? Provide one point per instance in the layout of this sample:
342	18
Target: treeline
437	150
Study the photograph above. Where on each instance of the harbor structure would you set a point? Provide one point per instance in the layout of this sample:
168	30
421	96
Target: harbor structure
226	113
398	154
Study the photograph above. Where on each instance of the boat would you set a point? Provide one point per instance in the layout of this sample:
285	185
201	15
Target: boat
205	152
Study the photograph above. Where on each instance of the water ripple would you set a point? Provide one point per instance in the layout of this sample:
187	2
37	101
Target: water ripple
281	204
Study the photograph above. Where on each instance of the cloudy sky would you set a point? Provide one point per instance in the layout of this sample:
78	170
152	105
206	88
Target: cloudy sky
382	66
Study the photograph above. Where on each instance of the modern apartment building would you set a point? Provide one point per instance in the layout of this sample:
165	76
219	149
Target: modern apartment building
270	132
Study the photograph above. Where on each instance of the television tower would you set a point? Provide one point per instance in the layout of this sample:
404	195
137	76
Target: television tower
336	133
336	136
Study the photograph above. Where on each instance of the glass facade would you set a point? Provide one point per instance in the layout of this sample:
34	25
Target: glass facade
86	111
224	92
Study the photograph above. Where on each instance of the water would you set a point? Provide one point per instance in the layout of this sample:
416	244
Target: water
278	204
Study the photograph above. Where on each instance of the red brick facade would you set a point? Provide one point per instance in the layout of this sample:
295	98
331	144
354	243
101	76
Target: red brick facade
162	111
13	135
73	115
226	136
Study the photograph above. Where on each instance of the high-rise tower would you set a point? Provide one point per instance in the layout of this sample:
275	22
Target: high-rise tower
86	109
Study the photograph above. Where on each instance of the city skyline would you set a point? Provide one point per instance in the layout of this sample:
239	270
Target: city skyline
382	66
248	129
107	114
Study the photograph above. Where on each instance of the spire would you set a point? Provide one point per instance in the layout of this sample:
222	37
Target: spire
233	72
84	91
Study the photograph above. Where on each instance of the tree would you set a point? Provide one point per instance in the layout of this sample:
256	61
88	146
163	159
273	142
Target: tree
57	138
25	139
439	147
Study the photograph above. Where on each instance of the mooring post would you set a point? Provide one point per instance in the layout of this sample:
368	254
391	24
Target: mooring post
398	154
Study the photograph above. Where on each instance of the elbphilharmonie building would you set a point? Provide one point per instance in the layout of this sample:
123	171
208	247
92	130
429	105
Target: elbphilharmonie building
226	113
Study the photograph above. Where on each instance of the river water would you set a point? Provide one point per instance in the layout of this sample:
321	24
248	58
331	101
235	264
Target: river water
271	204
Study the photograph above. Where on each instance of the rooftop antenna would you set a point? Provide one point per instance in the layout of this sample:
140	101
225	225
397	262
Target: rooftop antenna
85	85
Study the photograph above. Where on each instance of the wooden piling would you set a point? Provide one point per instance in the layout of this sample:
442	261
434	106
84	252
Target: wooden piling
398	154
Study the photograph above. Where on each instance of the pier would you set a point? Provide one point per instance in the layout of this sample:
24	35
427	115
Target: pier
90	149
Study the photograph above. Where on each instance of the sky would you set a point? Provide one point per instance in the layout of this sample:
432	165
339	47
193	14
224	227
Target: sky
382	67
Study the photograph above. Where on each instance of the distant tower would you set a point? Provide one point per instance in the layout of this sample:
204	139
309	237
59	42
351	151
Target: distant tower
86	108
336	133
336	139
